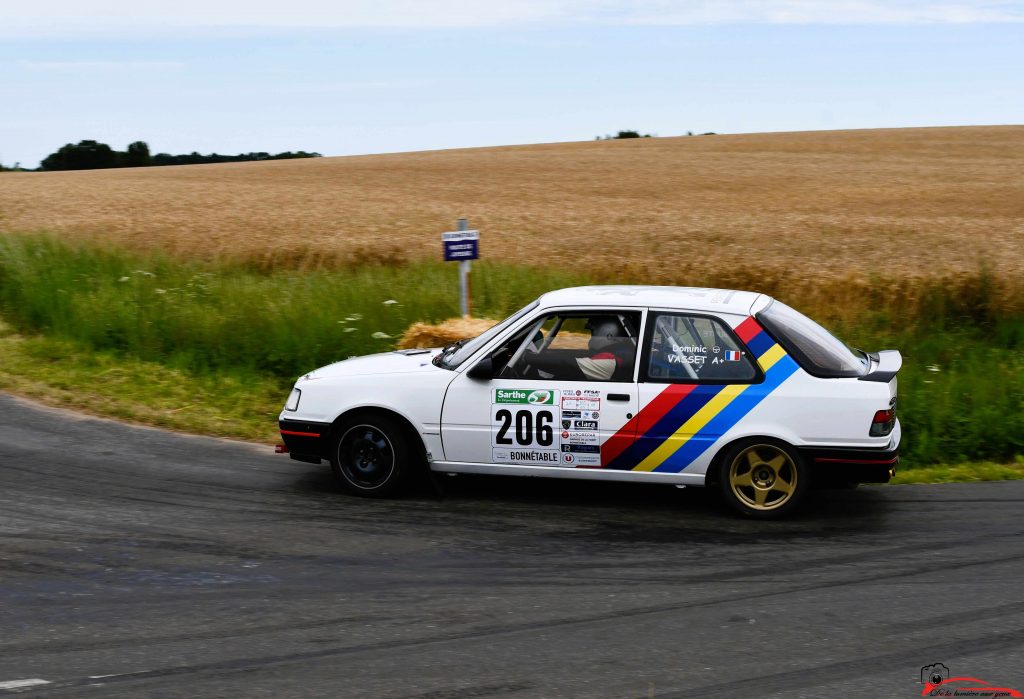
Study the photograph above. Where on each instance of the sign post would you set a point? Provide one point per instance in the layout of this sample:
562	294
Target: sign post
462	246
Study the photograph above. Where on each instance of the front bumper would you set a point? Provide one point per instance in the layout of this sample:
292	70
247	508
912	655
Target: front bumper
306	441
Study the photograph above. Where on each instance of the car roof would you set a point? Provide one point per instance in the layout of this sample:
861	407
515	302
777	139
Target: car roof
669	297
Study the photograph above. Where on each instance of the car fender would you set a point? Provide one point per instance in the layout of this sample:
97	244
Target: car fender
415	399
746	429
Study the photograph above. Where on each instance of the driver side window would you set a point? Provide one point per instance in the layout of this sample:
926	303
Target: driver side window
575	346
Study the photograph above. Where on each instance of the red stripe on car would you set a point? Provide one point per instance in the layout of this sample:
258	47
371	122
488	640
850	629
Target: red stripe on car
748	329
880	462
644	420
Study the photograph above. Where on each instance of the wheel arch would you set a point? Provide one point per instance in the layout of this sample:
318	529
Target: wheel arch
412	432
713	474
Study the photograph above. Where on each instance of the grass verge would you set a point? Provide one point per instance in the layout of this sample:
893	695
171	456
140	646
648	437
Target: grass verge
63	373
961	473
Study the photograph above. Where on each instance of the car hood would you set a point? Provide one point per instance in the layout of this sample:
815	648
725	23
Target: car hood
398	362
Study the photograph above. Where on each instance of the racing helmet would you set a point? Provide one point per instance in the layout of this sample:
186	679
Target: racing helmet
604	332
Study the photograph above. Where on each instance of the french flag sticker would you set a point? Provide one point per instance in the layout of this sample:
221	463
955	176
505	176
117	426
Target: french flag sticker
731	356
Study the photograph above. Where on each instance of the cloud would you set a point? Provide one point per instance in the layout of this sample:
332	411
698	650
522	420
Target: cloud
92	66
74	17
667	12
62	16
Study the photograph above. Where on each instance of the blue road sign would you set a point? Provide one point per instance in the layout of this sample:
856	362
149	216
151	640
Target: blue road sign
461	245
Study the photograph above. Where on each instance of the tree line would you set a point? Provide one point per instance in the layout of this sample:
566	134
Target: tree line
629	133
92	155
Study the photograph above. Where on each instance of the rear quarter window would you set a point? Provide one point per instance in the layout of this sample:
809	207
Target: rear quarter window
818	351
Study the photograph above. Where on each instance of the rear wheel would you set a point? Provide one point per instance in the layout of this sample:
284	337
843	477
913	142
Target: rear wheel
762	479
372	456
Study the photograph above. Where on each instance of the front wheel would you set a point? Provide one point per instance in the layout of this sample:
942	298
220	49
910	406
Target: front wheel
763	480
371	456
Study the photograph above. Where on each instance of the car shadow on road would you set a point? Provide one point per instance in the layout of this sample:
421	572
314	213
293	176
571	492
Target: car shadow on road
630	510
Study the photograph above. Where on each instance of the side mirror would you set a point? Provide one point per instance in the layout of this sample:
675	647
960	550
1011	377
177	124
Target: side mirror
484	370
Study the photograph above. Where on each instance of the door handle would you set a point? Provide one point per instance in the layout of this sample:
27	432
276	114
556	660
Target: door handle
622	397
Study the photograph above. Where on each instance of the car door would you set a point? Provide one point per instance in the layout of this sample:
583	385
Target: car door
557	397
693	369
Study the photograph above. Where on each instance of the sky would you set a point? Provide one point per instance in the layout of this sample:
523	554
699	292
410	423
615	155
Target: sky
348	77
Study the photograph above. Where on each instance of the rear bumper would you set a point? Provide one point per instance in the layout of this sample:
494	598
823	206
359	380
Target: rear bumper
851	465
306	441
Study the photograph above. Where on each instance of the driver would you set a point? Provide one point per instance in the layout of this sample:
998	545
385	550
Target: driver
606	337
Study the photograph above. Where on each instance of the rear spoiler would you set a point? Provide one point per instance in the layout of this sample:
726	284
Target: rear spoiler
887	364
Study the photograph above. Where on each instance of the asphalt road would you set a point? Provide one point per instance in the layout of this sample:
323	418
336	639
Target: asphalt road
136	562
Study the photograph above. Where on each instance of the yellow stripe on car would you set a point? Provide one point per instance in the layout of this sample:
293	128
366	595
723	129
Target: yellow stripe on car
703	416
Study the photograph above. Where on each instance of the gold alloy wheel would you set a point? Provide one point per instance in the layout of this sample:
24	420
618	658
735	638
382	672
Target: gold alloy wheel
763	477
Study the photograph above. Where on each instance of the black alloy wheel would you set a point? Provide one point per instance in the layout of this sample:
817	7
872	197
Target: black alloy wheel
372	456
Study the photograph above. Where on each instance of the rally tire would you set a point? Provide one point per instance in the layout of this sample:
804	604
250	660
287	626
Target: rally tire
373	456
763	478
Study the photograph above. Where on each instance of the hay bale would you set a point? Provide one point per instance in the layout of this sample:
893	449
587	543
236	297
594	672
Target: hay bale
427	335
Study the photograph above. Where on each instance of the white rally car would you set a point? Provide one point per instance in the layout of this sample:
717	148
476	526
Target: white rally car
626	383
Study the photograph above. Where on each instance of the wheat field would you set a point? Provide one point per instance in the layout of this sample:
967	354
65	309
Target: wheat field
802	206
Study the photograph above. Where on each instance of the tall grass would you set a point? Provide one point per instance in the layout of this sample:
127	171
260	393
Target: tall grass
207	317
961	391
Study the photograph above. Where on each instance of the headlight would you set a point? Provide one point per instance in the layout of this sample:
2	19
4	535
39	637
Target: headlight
293	400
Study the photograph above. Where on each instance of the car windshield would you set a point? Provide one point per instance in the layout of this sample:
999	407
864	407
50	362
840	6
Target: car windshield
817	350
456	353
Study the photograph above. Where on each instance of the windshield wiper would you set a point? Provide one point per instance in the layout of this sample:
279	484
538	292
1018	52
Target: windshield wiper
448	349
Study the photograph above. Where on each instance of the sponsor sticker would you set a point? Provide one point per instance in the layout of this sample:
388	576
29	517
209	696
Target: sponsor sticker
575	403
537	457
525	427
582	448
517	396
546	427
581	438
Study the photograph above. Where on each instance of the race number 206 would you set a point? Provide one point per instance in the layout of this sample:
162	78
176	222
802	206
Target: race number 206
524	427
